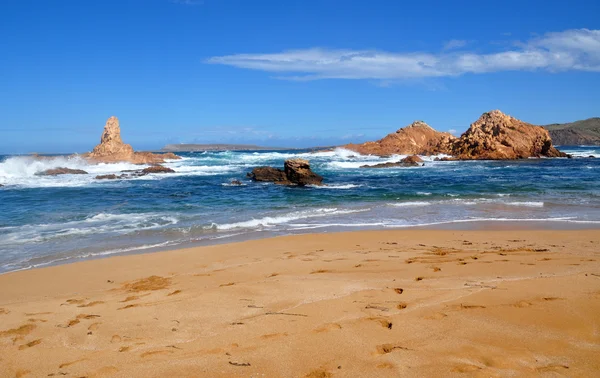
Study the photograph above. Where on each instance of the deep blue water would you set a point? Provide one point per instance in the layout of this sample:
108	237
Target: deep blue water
47	220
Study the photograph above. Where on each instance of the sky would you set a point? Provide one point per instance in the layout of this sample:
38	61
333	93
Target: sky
285	73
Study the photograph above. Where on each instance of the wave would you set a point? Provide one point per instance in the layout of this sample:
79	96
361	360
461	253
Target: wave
411	204
270	221
335	186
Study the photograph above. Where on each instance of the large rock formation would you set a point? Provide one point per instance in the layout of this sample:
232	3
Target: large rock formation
112	149
497	136
416	139
295	172
494	136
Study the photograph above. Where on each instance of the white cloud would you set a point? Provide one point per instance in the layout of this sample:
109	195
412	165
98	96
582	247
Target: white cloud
577	49
455	44
452	131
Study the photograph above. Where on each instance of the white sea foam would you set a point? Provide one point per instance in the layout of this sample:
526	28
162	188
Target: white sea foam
411	204
525	204
271	221
335	186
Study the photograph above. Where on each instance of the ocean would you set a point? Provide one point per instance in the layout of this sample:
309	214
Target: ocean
52	220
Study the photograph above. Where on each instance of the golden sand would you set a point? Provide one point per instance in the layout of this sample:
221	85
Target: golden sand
361	304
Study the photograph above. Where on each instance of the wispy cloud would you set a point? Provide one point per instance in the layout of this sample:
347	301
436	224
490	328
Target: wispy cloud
571	50
454	44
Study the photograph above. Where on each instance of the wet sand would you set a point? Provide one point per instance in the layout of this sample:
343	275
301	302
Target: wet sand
361	304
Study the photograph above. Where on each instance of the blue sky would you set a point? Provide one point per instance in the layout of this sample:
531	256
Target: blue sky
286	73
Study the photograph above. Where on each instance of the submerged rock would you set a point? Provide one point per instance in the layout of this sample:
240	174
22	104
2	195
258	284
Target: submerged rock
409	161
157	169
113	149
295	172
109	177
61	171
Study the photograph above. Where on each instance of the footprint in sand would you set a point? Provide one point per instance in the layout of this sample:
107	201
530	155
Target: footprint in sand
155	353
91	304
151	283
328	327
389	348
30	344
23	330
465	368
273	336
551	368
319	373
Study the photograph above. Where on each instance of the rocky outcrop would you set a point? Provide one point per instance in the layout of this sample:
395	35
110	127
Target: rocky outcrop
109	177
409	161
61	171
497	136
113	149
157	169
295	172
494	136
136	173
269	174
298	172
416	139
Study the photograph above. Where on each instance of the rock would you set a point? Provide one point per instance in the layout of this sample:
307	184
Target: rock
409	161
414	160
497	136
298	172
109	177
416	139
113	149
494	136
269	174
61	171
235	182
592	157
156	169
295	172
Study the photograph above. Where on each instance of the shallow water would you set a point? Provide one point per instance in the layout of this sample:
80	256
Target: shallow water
47	220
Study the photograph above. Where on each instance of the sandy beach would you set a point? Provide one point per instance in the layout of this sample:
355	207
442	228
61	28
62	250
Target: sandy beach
360	304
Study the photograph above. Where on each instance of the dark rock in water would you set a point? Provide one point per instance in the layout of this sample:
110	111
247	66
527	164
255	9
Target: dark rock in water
295	172
298	172
446	159
61	171
592	157
412	160
269	174
409	161
109	177
235	182
157	169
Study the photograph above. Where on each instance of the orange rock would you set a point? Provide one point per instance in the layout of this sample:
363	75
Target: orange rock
416	139
112	149
497	136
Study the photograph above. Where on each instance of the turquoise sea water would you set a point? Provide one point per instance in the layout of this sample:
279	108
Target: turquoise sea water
49	220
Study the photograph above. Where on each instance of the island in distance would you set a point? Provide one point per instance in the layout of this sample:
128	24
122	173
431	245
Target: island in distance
190	147
584	132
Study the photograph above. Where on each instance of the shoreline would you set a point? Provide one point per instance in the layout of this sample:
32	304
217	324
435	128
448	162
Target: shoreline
456	225
363	303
